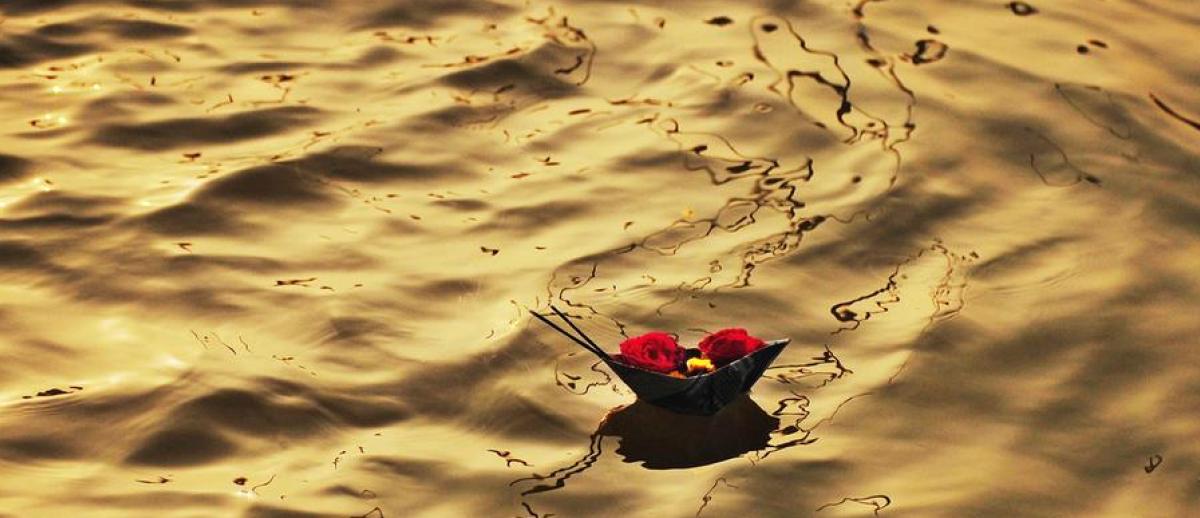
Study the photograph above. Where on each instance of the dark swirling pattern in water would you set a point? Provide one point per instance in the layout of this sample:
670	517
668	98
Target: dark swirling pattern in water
275	258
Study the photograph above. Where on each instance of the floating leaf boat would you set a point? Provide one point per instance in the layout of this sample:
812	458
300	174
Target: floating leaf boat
704	394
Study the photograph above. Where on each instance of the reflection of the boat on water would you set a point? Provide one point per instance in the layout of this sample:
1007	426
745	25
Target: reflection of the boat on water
662	439
658	438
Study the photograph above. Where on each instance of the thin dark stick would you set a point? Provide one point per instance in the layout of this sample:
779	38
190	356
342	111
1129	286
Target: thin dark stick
573	326
581	343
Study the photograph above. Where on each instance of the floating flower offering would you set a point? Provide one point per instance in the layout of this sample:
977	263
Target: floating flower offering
699	380
659	352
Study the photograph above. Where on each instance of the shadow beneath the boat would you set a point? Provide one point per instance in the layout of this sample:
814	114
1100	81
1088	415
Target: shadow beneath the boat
662	439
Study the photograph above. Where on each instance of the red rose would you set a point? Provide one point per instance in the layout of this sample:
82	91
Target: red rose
655	351
727	345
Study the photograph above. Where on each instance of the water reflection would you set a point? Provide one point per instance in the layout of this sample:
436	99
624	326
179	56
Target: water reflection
660	439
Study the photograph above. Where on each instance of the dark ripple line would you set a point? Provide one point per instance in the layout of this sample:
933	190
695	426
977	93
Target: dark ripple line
684	288
532	513
859	10
708	495
831	416
578	35
890	287
864	500
941	289
804	440
581	283
1058	87
671	127
561	475
825	359
842	90
377	511
1170	111
888	69
568	386
1080	174
844	315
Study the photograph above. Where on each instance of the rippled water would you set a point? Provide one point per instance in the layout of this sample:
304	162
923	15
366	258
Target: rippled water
274	258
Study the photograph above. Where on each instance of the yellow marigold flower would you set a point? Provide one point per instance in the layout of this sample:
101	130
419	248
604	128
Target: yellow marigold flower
699	366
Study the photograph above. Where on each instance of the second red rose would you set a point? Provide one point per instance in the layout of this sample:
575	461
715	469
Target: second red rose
727	345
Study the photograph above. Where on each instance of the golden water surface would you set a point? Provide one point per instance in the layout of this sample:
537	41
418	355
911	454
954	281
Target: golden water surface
275	257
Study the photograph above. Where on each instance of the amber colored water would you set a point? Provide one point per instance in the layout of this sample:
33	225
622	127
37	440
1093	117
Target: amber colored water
274	258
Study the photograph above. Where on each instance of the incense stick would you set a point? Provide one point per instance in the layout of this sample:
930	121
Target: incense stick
576	328
590	347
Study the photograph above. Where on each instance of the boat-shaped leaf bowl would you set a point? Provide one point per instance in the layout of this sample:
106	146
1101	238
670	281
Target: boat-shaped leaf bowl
705	394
